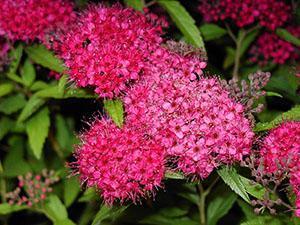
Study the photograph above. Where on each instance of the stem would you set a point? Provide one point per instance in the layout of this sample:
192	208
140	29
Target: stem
2	185
150	3
201	205
235	73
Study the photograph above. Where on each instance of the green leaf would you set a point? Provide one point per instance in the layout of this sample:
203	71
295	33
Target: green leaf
136	4
6	125
174	175
15	55
106	212
115	110
42	56
38	85
247	210
78	93
293	114
6	88
71	190
37	129
271	94
283	33
247	41
254	189
6	208
233	180
229	59
64	222
219	206
28	73
263	220
32	106
12	104
64	134
55	209
211	31
50	92
88	196
157	219
184	22
14	163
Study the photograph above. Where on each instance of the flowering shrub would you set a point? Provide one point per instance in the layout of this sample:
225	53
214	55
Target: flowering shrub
149	112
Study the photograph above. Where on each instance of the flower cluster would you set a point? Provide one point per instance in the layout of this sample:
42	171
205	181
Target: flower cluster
280	153
270	47
192	117
120	162
27	20
108	48
268	13
35	188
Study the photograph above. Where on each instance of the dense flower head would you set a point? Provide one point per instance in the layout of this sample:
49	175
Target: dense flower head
120	162
281	152
108	48
270	47
192	117
268	13
28	20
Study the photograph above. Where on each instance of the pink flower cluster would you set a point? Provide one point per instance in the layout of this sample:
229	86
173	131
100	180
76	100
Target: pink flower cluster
27	20
268	13
192	117
281	152
108	48
122	163
270	47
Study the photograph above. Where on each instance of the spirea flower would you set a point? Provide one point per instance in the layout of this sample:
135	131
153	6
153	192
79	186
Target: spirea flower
281	152
268	13
108	48
192	117
270	47
27	20
120	162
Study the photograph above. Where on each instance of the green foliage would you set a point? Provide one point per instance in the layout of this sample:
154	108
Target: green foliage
136	4
71	190
234	181
12	104
115	110
37	129
184	22
6	88
211	31
106	212
283	33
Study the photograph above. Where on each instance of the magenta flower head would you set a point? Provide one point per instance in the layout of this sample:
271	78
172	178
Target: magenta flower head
193	118
27	20
120	162
268	13
281	152
271	48
108	48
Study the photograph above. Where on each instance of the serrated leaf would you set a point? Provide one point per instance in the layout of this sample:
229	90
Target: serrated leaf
174	175
254	189
55	209
71	190
42	56
211	31
12	104
136	4
219	206
6	125
28	73
37	129
39	85
263	220
293	114
50	92
106	212
233	180
184	21
64	135
14	163
15	55
271	94
6	88
286	35
115	110
31	107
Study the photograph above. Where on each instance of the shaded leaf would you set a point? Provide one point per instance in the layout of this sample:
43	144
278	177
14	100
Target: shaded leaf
254	189
174	175
6	125
32	106
6	88
6	208
283	33
106	212
55	209
247	210
15	55
28	73
71	190
37	129
211	31
136	4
